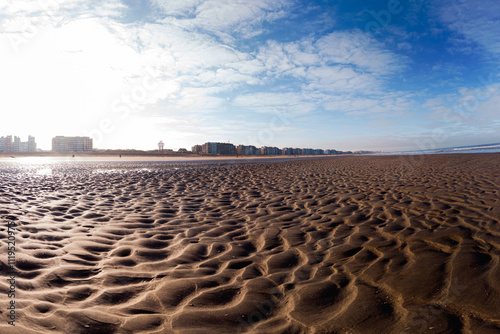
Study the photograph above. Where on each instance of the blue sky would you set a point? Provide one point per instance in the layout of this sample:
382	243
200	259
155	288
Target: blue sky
349	75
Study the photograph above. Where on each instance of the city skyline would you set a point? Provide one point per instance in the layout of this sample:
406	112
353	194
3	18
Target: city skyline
74	144
386	76
10	143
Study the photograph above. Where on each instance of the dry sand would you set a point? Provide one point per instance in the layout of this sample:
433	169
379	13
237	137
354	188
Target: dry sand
341	245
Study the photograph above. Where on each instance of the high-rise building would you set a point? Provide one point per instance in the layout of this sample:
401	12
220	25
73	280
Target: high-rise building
16	144
31	144
6	144
71	144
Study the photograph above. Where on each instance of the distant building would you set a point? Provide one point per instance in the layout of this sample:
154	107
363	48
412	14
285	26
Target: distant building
182	150
266	150
6	144
16	144
9	144
197	149
246	150
31	144
307	151
331	152
71	144
218	148
288	151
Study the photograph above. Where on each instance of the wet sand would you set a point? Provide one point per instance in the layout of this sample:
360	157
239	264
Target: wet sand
29	158
342	245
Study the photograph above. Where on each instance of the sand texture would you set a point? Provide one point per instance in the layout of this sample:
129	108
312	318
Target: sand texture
340	245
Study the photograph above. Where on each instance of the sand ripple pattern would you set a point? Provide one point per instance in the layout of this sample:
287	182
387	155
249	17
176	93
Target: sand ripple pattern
342	245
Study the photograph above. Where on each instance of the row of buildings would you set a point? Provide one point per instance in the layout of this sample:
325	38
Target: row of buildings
228	148
59	144
14	144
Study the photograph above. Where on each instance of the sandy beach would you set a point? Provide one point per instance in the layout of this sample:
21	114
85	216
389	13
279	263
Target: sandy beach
26	158
369	244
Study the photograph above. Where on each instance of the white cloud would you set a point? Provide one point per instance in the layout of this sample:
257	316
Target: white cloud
467	104
340	79
198	100
178	8
56	10
198	58
338	62
478	22
221	16
276	103
360	50
390	105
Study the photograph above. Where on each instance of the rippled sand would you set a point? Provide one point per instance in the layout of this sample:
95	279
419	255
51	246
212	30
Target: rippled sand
341	245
